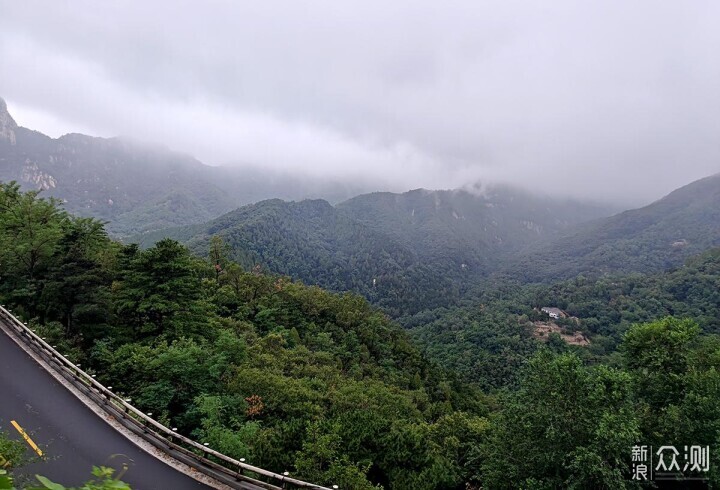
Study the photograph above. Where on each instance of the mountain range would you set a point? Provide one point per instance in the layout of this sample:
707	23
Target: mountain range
656	237
423	249
138	187
404	251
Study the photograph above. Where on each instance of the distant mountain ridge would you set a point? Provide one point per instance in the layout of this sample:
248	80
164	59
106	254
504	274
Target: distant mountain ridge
473	227
133	186
404	251
138	187
650	239
423	249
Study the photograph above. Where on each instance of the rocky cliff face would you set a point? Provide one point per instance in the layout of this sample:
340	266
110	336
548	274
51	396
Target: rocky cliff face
7	124
32	174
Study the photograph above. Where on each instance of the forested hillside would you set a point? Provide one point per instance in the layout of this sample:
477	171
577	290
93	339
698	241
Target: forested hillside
293	377
260	367
487	337
413	252
472	227
316	243
404	252
656	237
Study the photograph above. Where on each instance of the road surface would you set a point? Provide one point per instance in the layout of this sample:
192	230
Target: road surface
72	437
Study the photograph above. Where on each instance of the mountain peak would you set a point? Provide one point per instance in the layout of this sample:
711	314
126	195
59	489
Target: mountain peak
7	124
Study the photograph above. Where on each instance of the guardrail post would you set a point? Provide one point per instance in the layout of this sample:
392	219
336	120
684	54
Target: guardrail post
170	436
240	471
284	483
145	427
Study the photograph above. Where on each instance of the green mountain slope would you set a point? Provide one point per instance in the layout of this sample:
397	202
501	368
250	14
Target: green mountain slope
405	252
290	377
650	239
295	378
472	228
314	242
135	187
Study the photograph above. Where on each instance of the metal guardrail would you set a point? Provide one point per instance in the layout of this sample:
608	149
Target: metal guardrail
196	454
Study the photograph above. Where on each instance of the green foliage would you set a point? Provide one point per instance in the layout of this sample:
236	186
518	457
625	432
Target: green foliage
12	455
32	228
404	252
102	480
6	482
293	377
487	336
677	381
659	353
12	452
256	365
159	292
568	426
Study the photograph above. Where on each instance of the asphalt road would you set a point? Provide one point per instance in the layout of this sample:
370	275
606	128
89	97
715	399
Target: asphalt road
73	437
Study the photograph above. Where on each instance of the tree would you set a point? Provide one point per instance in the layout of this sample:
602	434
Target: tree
677	379
567	426
31	228
658	354
159	292
102	479
218	254
77	284
12	452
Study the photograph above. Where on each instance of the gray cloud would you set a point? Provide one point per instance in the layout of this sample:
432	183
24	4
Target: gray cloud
610	99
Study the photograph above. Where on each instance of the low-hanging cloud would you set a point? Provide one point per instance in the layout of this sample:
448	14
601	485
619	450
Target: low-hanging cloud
606	100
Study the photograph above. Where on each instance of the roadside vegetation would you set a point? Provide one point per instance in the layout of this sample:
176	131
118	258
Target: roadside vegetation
326	386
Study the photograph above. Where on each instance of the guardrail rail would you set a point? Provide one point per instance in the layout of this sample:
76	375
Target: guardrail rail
232	472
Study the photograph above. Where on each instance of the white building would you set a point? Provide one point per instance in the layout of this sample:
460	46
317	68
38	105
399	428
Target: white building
553	312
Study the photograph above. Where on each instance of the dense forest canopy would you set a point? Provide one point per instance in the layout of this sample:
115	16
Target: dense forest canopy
293	377
487	335
421	250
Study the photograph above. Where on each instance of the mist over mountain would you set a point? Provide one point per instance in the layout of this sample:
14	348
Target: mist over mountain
473	226
587	99
653	238
382	244
407	252
136	186
423	249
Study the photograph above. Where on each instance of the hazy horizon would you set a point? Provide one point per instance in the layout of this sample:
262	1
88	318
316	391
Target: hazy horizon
611	102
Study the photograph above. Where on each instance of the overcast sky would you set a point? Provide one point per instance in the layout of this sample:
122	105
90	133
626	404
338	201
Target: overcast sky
601	99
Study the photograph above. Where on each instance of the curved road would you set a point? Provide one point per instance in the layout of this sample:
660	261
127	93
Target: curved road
71	435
